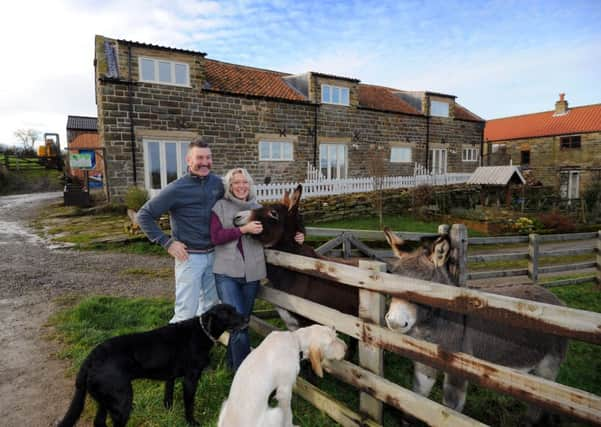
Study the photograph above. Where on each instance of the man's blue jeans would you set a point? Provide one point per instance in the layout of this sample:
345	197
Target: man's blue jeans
240	294
195	289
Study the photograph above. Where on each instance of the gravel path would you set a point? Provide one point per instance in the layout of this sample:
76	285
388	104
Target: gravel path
34	387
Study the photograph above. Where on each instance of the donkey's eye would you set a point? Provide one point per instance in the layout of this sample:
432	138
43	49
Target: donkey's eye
274	214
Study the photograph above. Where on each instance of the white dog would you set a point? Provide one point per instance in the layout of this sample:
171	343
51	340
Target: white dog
274	365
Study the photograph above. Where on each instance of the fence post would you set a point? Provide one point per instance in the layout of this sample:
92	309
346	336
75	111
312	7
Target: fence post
599	258
346	246
371	309
458	256
533	253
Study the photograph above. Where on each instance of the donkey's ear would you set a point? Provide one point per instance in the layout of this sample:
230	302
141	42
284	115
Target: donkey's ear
295	198
395	242
286	198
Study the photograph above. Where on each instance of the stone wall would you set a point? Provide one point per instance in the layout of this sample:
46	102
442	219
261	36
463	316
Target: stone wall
547	159
233	125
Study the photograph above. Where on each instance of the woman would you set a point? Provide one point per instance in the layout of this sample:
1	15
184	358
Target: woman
239	259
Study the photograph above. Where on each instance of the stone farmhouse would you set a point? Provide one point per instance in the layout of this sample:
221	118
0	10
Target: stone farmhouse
561	147
152	100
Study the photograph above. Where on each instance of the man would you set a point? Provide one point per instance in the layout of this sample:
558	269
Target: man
189	201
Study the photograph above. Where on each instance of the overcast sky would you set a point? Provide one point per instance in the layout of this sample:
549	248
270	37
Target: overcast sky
499	58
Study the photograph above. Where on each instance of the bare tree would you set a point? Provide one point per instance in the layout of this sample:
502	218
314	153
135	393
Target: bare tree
28	137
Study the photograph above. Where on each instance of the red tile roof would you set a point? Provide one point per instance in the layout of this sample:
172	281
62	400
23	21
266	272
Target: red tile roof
249	81
243	80
383	98
577	120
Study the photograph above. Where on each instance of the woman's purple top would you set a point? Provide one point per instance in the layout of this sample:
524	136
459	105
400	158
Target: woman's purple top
220	235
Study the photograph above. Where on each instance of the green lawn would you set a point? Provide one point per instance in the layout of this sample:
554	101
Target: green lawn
82	325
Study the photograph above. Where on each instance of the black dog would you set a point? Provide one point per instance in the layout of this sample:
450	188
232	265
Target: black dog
176	350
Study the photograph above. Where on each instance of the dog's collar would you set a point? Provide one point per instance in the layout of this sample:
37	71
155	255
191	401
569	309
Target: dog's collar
207	333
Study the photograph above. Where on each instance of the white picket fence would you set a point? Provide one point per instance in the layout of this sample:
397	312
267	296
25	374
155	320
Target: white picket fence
314	188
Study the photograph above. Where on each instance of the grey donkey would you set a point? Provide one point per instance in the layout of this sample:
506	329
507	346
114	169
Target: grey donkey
522	349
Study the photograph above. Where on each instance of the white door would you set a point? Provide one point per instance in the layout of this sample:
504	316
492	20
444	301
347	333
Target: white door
438	161
574	185
333	161
164	161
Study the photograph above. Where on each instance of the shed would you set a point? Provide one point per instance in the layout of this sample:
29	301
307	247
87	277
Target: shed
497	180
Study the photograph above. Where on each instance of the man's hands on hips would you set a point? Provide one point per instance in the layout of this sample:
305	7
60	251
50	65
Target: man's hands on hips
178	251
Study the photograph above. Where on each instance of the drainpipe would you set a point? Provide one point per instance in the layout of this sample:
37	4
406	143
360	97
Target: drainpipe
315	137
131	115
427	139
482	145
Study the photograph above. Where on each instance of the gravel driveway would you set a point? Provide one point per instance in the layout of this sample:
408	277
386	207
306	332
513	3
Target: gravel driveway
34	387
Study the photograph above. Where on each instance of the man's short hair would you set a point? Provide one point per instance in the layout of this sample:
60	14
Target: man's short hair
198	142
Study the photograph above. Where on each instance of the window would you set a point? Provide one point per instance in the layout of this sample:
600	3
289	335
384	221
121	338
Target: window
566	142
439	109
332	160
525	158
164	72
275	150
569	184
334	95
438	161
164	161
470	154
400	155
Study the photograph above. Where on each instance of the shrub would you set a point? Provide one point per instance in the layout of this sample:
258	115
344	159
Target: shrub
524	225
135	198
557	221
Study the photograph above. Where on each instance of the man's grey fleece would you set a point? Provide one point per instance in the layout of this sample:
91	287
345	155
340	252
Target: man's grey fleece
189	201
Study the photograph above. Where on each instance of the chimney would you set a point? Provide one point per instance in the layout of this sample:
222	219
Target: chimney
561	106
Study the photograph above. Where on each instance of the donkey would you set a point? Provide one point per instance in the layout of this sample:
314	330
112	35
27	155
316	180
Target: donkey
281	221
521	349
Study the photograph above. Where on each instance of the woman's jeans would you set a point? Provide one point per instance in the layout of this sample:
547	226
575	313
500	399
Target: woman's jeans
239	293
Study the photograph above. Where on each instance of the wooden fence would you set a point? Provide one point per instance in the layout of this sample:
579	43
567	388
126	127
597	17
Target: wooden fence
374	284
349	240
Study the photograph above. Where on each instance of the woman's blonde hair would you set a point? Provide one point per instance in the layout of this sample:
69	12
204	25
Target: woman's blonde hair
227	183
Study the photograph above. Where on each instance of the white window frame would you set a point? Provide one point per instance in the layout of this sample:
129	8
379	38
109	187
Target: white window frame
439	108
438	161
470	154
182	165
330	98
573	185
402	149
272	143
156	71
341	171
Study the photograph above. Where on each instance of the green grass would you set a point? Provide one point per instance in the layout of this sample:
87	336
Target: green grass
91	321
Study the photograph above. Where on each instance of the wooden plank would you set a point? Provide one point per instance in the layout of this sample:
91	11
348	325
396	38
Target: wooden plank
566	267
346	245
420	407
329	245
477	275
567	237
372	310
567	282
533	254
567	252
364	249
599	258
497	240
458	255
497	257
364	234
332	407
548	318
544	393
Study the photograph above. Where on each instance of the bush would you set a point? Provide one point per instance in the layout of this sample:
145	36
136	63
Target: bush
557	222
135	198
523	225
